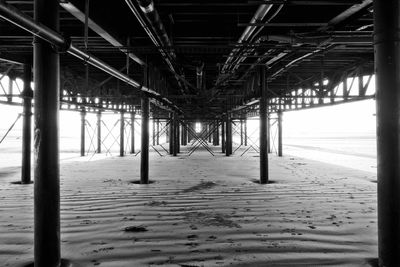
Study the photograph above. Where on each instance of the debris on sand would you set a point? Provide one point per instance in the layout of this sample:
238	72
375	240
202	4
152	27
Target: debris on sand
135	229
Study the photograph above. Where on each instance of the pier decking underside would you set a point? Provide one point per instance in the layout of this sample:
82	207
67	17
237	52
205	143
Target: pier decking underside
203	211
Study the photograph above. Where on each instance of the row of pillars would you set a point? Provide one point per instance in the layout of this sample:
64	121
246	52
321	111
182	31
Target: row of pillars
46	145
178	134
156	136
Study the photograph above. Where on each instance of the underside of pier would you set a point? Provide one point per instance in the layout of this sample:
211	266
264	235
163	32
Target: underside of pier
175	65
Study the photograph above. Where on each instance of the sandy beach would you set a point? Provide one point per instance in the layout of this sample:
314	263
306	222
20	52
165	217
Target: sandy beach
205	211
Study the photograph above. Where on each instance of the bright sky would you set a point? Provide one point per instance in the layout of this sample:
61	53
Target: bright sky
357	118
354	119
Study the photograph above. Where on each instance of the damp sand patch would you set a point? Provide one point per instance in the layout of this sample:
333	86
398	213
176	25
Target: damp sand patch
201	186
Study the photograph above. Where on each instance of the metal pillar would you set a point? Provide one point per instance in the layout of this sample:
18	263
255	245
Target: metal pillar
98	132
217	133
177	133
158	132
174	136
214	138
10	89
154	131
83	124
263	128
182	136
27	95
269	135
144	162
209	132
223	141
133	133
387	65
241	131
46	144
122	135
171	134
167	134
245	132
280	133
228	124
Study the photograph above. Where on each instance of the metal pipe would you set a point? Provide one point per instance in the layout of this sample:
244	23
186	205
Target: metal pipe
160	38
263	128
46	71
248	31
18	18
68	6
151	14
387	65
27	95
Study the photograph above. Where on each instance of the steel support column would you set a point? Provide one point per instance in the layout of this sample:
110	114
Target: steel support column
122	135
208	132
174	136
27	95
182	135
280	133
269	135
46	144
133	121
245	132
177	135
171	133
263	128
241	132
167	134
10	88
83	124
228	131
98	132
158	132
387	65
144	162
218	127
223	141
154	131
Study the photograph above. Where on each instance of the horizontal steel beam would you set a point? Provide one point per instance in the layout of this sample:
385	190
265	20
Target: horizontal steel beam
68	6
27	23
